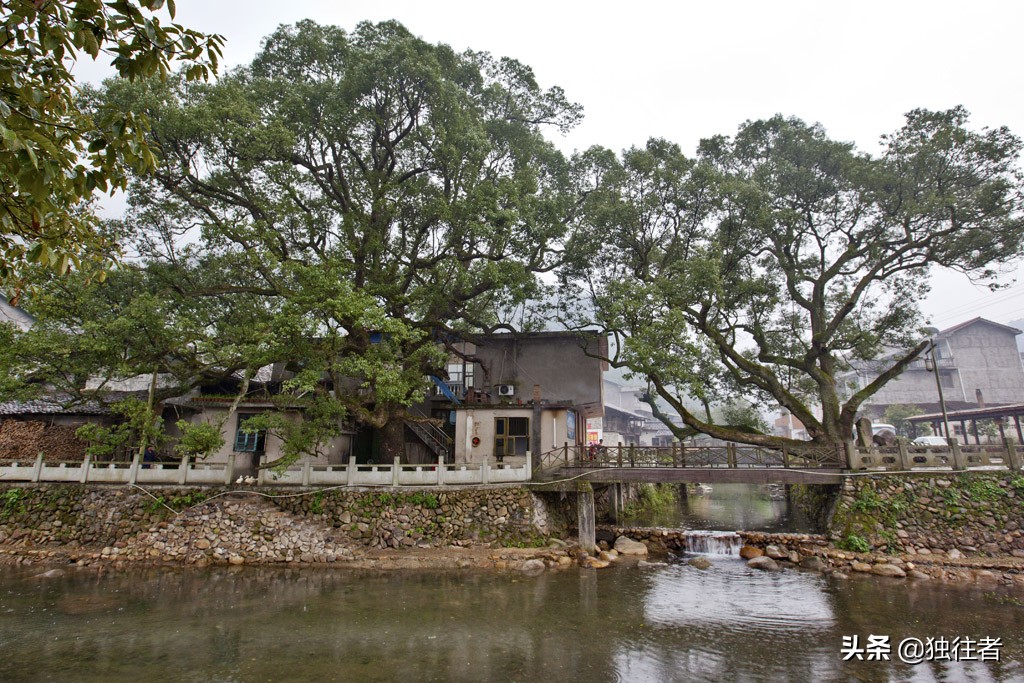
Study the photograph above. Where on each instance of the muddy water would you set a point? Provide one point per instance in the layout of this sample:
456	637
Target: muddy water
671	623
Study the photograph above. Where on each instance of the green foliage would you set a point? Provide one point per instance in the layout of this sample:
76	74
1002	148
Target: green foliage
176	503
12	502
854	543
198	439
652	500
951	496
1018	483
744	416
428	501
368	192
55	150
897	415
982	488
301	433
767	264
316	504
139	426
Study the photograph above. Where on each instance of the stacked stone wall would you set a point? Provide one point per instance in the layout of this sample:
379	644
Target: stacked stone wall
402	518
968	513
91	516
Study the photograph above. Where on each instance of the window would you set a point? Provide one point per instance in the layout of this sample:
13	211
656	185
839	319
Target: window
946	380
460	373
511	436
249	442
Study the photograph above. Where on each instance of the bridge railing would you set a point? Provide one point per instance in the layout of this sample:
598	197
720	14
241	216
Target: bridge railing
905	456
187	472
729	455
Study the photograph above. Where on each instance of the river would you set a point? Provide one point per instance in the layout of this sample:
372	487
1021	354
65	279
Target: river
624	623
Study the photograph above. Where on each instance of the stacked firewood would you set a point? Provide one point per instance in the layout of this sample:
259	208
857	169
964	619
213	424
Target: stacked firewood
21	440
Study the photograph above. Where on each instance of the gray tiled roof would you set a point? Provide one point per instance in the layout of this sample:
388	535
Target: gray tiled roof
63	404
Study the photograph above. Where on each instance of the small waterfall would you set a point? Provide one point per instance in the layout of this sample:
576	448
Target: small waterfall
712	542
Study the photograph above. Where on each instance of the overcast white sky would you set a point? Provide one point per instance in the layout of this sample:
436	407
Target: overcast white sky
689	70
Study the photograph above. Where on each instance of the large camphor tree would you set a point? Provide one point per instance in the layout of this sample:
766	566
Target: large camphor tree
765	266
56	154
378	194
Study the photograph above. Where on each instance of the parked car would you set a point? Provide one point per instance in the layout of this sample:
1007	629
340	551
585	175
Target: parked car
929	441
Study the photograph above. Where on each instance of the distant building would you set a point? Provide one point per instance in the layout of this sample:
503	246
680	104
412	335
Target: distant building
978	364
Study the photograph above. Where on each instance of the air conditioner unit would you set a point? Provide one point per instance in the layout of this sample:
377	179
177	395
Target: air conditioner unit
506	390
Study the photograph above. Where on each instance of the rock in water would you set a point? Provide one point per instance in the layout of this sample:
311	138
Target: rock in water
812	562
700	563
749	552
776	553
888	570
594	563
627	546
52	574
533	566
763	563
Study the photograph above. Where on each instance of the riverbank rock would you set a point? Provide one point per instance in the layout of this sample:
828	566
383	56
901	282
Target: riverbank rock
749	552
699	563
645	563
813	562
776	553
763	563
888	570
594	563
534	566
627	546
858	566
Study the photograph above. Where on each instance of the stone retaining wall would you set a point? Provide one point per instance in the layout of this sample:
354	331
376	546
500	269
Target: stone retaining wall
402	518
963	514
203	525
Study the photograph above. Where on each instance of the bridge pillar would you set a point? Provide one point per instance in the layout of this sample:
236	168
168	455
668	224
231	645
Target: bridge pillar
616	493
585	518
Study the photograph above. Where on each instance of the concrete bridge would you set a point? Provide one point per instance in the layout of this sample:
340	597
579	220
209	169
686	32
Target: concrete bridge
739	464
736	464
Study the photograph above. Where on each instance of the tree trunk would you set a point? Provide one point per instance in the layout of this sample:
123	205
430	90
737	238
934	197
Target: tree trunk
392	443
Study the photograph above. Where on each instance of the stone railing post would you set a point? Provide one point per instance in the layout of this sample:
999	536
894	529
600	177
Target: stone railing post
440	470
307	472
1013	460
133	471
958	456
851	453
903	457
485	471
183	470
529	465
350	471
37	468
85	469
229	470
396	468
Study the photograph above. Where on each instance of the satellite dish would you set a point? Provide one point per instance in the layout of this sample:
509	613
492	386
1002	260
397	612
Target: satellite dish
931	331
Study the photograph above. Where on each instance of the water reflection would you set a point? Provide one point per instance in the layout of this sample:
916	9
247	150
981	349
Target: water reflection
728	507
668	624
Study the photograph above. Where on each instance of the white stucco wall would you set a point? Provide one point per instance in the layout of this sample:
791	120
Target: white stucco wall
336	452
479	423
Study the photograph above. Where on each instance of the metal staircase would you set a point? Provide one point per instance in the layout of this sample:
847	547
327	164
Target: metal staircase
433	436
